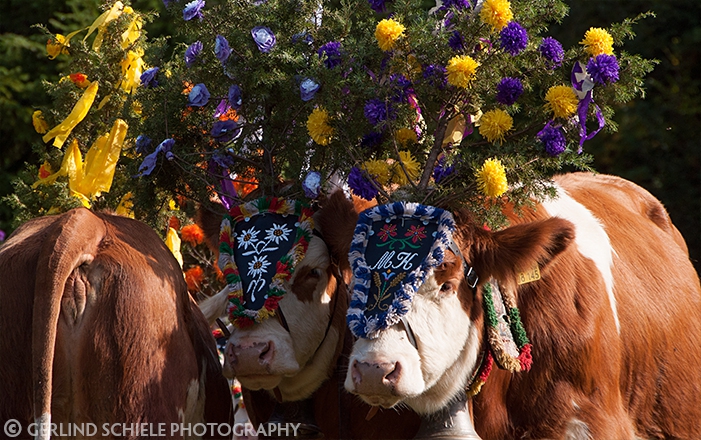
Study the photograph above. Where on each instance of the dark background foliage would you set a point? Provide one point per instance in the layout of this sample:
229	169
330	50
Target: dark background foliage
658	144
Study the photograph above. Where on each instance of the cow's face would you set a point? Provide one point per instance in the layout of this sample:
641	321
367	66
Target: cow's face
264	354
447	321
390	369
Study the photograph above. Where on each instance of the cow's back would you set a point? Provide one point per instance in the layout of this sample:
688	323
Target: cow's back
658	303
130	344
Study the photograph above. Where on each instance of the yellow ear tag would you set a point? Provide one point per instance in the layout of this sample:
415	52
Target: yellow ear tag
529	275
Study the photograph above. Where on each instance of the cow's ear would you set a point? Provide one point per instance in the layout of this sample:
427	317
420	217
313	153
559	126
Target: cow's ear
336	221
503	254
209	219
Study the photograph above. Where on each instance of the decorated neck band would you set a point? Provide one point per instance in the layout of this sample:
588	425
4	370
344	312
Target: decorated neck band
508	345
394	249
253	237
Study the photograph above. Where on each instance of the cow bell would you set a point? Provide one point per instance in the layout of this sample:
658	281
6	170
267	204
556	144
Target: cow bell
451	423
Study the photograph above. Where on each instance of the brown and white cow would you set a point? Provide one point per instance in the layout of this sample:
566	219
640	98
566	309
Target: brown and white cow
98	328
614	323
303	366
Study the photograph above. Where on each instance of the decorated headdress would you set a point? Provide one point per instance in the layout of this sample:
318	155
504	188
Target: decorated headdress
261	243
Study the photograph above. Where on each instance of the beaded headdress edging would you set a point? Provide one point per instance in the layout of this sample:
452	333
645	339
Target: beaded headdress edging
394	249
287	227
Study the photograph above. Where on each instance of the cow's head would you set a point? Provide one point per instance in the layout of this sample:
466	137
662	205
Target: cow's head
427	352
294	349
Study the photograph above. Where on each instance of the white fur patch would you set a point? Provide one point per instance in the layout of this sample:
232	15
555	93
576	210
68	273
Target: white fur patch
577	430
592	240
43	427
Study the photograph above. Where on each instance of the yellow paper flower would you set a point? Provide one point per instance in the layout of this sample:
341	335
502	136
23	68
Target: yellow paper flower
491	178
132	68
410	165
562	101
406	136
44	170
39	123
461	70
494	124
173	243
597	41
379	170
318	126
388	32
496	13
60	132
56	46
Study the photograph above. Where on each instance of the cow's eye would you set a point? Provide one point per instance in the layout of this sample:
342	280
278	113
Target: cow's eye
447	287
316	273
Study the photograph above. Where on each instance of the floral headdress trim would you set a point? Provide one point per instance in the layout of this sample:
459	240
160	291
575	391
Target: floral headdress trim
238	314
362	326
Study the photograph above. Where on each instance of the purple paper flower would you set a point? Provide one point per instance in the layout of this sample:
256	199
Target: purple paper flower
514	38
225	131
312	184
377	5
149	162
552	50
457	4
360	186
401	86
198	96
192	52
264	38
193	9
509	90
435	75
371	140
553	139
2	235
307	89
456	41
221	49
603	69
440	172
142	144
148	78
303	37
223	159
332	50
235	99
377	111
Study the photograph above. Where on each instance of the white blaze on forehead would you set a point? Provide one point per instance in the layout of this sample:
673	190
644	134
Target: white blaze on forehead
592	240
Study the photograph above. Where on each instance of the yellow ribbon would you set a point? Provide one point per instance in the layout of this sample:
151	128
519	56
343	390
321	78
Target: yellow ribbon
173	243
101	160
126	206
80	110
101	22
132	67
88	179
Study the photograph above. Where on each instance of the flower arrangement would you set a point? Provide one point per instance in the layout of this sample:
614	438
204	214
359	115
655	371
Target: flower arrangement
463	104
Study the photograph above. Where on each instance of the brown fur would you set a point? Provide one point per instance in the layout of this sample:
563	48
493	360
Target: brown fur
114	336
644	382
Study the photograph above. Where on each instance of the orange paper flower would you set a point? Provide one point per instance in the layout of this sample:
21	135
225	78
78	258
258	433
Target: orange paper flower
192	234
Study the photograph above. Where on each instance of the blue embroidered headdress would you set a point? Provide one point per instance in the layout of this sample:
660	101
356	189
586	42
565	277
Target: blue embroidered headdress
394	249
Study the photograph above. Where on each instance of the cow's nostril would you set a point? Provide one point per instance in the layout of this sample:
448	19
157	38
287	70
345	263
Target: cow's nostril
393	376
267	352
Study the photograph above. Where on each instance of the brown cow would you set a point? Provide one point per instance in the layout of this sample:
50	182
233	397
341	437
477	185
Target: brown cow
98	328
303	366
614	323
